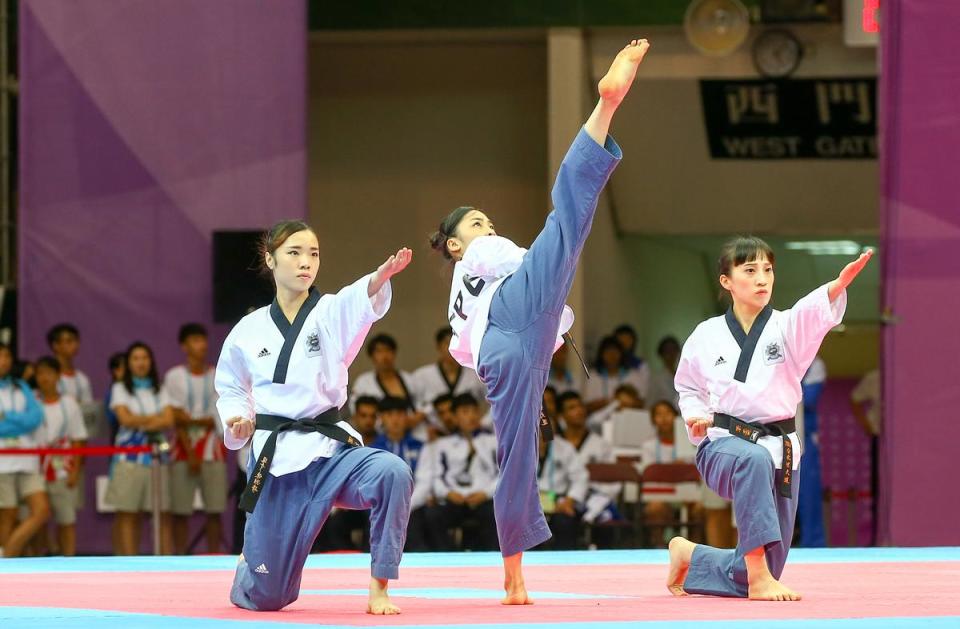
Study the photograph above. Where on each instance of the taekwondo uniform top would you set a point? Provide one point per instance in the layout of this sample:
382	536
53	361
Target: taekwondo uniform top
296	370
786	342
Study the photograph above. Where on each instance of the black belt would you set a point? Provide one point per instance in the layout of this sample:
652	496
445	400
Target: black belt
325	423
753	432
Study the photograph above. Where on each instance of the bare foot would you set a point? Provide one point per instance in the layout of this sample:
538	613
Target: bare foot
681	551
379	603
769	589
513	585
616	82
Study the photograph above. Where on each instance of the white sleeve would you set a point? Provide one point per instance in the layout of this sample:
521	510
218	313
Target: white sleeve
175	391
805	325
119	396
691	385
163	399
352	312
423	477
84	389
492	257
234	388
76	429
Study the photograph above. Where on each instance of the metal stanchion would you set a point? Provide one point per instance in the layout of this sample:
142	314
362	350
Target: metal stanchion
160	451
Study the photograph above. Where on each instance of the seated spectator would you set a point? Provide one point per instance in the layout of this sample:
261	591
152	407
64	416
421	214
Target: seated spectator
465	481
364	418
444	376
609	373
663	449
661	380
396	439
387	380
600	505
562	378
564	484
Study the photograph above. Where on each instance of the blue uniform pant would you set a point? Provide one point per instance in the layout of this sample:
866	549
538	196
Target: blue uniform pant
518	344
293	507
743	472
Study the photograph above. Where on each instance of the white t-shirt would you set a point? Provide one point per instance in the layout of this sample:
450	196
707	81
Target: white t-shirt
62	425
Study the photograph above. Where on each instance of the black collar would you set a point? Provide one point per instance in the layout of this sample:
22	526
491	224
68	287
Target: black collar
290	331
747	342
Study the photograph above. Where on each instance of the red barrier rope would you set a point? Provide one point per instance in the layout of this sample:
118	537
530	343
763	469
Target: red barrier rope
85	451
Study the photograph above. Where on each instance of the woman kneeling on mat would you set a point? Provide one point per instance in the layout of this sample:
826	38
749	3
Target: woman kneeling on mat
281	378
739	376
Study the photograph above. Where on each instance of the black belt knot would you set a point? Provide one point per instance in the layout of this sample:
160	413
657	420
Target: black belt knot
325	423
752	433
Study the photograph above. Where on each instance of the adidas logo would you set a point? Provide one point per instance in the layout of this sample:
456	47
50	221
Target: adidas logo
263	352
720	361
262	569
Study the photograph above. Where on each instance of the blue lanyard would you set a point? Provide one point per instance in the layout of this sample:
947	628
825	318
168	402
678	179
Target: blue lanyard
206	398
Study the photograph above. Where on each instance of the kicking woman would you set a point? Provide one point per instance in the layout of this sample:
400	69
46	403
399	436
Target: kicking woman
507	312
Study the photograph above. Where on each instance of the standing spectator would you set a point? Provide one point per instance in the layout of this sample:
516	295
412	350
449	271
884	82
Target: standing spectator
64	342
20	478
117	366
62	427
199	454
144	412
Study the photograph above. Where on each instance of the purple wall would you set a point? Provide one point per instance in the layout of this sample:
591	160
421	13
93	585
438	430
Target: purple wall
144	127
920	126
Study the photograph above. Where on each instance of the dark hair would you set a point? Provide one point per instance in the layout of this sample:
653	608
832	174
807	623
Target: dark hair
626	388
625	328
667	340
53	335
271	240
464	399
566	397
47	361
739	250
366	400
128	374
667	403
116	360
607	342
443	334
448	229
391	403
381	339
440	399
190	329
551	389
